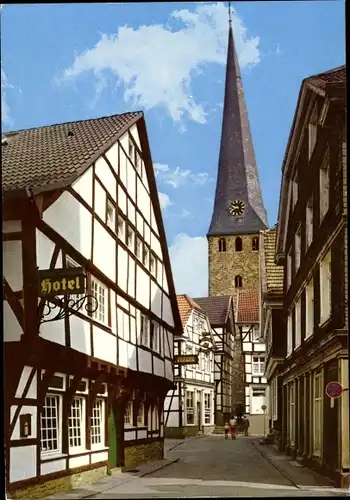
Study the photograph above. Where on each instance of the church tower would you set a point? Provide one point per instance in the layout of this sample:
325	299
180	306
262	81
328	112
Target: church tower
239	213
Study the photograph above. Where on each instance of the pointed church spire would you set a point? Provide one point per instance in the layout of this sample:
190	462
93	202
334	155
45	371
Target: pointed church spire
237	178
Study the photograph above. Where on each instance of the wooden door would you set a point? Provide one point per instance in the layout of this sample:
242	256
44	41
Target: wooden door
116	441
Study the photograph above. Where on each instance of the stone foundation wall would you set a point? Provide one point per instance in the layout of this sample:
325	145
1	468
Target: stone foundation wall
137	454
53	486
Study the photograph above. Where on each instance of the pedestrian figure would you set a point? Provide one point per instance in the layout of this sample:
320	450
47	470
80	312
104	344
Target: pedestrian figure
227	429
246	425
233	427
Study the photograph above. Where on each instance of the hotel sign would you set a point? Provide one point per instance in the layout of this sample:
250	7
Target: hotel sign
70	281
186	360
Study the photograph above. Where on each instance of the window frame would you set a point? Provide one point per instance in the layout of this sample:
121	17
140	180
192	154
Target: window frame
207	408
155	334
96	314
57	451
238	281
317	426
130	244
297	324
100	444
145	331
189	410
129	412
324	183
309	223
121	224
290	333
141	411
238	244
82	427
297	249
255	243
222	244
291	408
260	365
309	309
110	205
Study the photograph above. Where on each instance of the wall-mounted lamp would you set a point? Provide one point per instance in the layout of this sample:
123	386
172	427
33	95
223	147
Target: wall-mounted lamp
25	425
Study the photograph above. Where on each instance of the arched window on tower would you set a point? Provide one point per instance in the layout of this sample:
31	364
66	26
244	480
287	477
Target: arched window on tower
222	245
238	244
238	282
255	243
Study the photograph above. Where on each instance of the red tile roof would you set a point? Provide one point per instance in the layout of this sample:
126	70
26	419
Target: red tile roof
336	75
186	305
247	306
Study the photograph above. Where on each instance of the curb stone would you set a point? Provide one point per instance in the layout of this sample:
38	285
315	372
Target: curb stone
186	440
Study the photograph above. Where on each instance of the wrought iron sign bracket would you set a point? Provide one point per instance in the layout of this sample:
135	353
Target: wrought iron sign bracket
66	306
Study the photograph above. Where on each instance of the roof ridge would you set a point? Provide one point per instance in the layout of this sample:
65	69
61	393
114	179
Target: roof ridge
14	132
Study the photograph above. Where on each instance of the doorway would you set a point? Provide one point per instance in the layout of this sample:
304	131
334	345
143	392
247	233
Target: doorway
115	437
258	400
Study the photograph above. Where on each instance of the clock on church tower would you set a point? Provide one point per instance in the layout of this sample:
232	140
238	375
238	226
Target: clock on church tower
236	208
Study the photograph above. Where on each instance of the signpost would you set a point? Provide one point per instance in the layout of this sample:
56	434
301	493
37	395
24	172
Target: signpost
334	390
186	359
263	407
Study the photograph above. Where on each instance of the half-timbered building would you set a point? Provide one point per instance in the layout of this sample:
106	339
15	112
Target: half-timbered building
253	346
84	387
312	246
227	356
189	406
272	321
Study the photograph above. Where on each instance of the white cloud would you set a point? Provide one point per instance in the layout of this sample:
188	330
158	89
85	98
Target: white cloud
164	201
156	65
189	264
177	177
5	109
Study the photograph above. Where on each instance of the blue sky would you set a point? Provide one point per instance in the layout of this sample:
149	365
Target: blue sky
76	61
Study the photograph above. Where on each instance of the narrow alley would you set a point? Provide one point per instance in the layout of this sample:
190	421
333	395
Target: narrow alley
212	466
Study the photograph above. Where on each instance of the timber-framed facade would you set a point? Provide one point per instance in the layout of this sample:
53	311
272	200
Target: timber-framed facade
312	246
84	394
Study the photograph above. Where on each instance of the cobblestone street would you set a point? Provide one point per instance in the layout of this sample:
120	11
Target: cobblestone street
213	466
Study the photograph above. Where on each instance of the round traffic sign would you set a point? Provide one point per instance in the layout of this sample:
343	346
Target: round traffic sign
334	390
263	407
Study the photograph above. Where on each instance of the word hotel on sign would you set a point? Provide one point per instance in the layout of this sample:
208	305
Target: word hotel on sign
63	285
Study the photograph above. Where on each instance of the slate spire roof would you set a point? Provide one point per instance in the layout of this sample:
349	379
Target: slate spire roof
237	177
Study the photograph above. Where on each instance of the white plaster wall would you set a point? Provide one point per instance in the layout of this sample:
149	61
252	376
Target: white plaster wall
154	224
44	250
167	311
139	223
72	221
131	175
147	234
134	132
104	173
169	374
100	201
12	264
141	434
80	335
50	467
129	435
122	302
104	251
143	201
12	329
131	284
142	287
131	213
105	345
247	346
122	268
173	420
165	281
259	348
54	331
83	186
113	311
11	226
112	155
122	203
156	299
156	247
32	410
127	355
99	457
27	370
79	461
22	463
133	330
145	360
158	366
123	165
166	344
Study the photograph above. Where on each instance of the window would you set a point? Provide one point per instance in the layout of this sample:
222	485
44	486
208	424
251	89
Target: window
297	323
290	333
76	420
258	365
312	132
145	330
325	287
255	244
222	245
145	256
110	215
131	150
121	228
155	337
289	269
238	244
97	423
50	425
128	414
309	327
256	333
153	264
317	414
207	408
294	190
190	407
309	223
141	415
131	239
99	291
297	249
324	187
138	248
292	414
238	282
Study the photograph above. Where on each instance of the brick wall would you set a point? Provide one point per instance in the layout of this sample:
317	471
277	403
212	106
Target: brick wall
224	266
142	453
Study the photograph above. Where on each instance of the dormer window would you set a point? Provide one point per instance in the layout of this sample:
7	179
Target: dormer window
222	245
255	244
238	244
238	282
312	132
